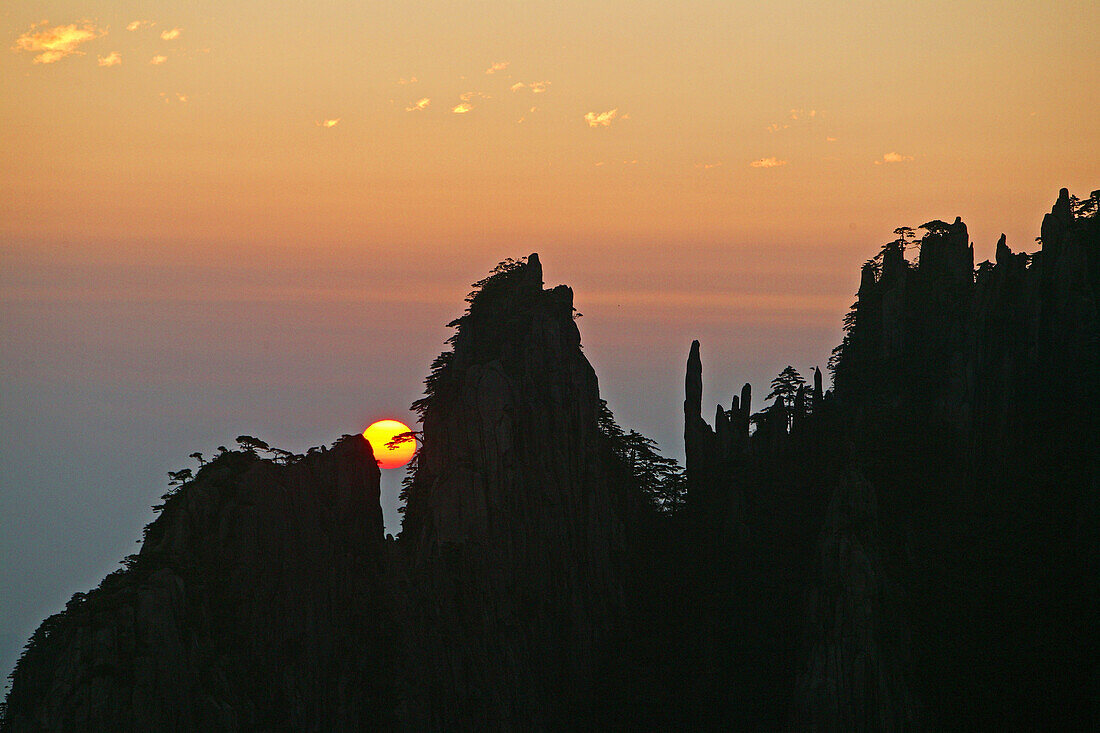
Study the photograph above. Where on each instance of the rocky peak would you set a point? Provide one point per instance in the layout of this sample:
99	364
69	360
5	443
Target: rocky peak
512	531
1055	225
515	380
946	252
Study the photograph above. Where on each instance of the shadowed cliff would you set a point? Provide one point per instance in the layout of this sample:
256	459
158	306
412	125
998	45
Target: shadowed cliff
253	604
513	535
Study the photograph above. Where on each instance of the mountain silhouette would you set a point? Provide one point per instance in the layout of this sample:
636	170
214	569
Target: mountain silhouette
915	548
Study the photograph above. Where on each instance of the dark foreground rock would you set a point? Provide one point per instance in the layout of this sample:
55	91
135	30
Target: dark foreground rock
253	604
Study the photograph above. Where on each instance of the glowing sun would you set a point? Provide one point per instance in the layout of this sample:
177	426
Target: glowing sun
381	433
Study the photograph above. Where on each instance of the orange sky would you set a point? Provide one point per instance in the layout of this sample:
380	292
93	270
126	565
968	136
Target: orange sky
242	217
713	169
225	141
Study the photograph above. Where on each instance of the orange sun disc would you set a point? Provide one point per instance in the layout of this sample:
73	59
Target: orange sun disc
381	433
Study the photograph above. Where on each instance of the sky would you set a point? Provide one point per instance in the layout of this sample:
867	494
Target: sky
236	217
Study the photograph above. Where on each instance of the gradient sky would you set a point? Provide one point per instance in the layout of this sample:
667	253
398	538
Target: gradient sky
243	217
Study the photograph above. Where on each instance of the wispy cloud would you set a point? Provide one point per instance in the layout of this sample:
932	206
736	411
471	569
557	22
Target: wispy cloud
793	115
497	66
707	166
158	60
181	98
410	80
133	25
830	139
329	123
894	158
419	105
111	59
601	119
462	108
171	35
470	96
771	162
536	87
56	43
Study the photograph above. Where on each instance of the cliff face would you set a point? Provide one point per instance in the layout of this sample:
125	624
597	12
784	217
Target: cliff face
1014	333
965	401
512	535
855	675
252	605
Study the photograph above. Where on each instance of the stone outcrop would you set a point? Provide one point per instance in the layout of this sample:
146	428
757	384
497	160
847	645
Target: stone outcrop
967	406
253	604
513	536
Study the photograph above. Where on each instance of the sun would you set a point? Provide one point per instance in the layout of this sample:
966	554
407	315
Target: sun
382	432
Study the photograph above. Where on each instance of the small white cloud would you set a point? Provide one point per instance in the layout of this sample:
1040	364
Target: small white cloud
410	80
536	87
133	25
497	66
794	115
329	123
111	59
56	43
771	162
462	108
894	158
158	60
601	119
419	105
171	35
181	97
